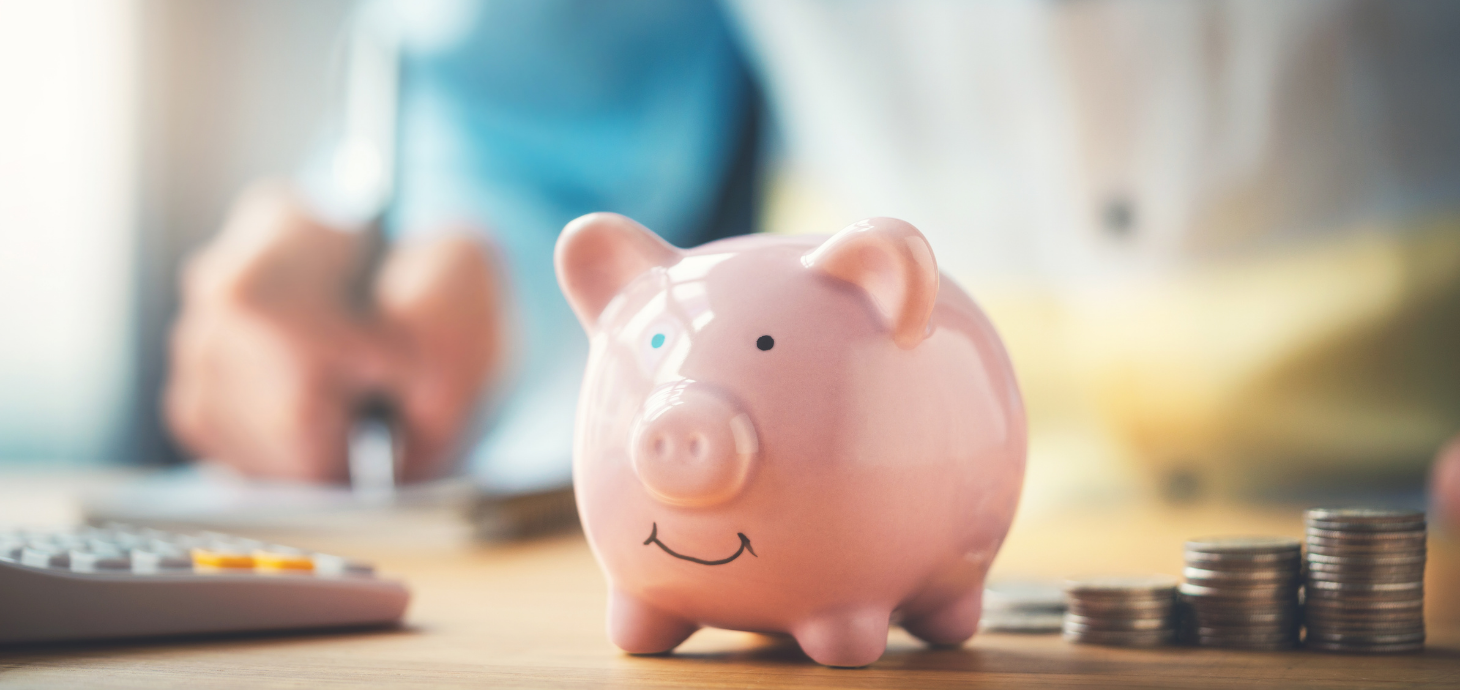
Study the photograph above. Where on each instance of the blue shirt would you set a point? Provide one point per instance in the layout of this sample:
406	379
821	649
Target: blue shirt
520	116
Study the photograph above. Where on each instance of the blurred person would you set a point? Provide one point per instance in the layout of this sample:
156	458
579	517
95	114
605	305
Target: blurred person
1220	237
508	119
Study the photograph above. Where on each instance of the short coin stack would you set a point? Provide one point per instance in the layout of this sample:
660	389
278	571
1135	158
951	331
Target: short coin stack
1242	592
1365	589
1121	611
1023	607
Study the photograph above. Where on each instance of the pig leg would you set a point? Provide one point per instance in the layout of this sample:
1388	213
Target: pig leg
638	628
846	638
951	624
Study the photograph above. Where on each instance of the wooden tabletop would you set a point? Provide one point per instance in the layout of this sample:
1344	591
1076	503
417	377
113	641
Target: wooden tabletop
532	615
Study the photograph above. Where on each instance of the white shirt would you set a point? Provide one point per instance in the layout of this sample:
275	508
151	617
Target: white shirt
1071	140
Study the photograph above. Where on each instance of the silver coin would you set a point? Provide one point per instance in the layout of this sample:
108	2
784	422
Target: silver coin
1086	624
1376	558
1323	608
1362	515
1228	585
1395	540
1250	646
1225	603
1405	544
1355	604
1217	620
1346	648
1120	586
1379	550
1247	645
1254	637
1321	597
1211	603
1235	606
1024	596
1208	604
1243	545
1217	613
1367	628
1021	622
1373	626
1366	638
1244	641
1322	615
1377	577
1360	569
1364	551
1233	617
1254	629
1366	536
1369	526
1145	608
1240	576
1129	601
1237	561
1366	586
1292	582
1280	591
1139	638
1409	575
1384	560
1400	628
1360	615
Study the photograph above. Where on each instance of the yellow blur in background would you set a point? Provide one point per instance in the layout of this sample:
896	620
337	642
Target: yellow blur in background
1305	370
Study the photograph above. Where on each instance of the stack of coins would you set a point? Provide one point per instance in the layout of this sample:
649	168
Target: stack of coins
1242	592
1121	611
1365	589
1023	607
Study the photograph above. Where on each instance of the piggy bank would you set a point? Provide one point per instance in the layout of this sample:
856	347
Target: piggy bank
805	435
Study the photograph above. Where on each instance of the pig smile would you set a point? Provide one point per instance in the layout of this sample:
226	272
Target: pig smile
744	546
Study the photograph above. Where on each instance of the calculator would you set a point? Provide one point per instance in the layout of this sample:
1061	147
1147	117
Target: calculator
118	581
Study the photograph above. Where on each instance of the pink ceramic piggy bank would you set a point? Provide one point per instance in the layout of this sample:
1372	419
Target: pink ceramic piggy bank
788	435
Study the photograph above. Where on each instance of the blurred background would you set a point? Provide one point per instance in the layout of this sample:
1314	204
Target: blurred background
128	127
1235	271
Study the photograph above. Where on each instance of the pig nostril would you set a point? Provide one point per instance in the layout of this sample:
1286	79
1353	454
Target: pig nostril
694	450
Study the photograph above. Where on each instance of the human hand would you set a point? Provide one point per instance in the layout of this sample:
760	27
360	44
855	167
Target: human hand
271	354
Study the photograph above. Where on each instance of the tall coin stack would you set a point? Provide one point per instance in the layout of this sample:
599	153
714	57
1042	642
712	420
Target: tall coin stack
1121	611
1365	590
1242	592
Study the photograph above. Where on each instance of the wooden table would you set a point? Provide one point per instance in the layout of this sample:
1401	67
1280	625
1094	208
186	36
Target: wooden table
531	615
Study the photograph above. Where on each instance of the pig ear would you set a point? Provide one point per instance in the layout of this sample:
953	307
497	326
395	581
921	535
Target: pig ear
598	254
892	262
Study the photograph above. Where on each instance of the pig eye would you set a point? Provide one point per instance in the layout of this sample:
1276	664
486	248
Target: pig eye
656	341
765	342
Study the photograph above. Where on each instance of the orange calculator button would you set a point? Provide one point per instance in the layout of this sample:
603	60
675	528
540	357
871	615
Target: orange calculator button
208	558
274	560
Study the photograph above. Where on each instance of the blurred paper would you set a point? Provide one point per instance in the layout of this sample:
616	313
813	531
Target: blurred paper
210	496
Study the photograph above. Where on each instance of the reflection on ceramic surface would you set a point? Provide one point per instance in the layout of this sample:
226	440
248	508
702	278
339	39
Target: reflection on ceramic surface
809	435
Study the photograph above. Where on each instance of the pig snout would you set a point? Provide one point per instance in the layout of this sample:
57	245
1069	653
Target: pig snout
693	445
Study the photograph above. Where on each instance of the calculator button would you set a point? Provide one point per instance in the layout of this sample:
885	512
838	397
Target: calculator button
282	560
92	561
325	564
45	558
152	560
213	558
